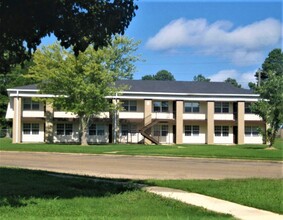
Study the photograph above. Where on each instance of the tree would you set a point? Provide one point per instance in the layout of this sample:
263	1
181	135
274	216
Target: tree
270	89
233	82
201	78
148	77
82	83
274	62
16	77
76	23
270	106
163	75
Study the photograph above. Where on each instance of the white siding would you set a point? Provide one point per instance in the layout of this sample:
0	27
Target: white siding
60	114
100	138
34	137
162	115
33	113
194	116
225	139
223	116
200	139
67	138
252	117
253	140
10	110
131	115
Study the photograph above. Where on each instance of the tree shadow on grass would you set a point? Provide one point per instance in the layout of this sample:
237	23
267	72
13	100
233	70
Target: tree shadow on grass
19	185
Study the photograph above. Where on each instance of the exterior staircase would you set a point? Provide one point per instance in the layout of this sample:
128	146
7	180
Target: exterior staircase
145	131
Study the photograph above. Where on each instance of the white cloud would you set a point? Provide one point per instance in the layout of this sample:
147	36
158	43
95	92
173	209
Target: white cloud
242	78
242	45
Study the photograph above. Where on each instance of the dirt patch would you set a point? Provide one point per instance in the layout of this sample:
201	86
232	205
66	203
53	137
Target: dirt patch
271	148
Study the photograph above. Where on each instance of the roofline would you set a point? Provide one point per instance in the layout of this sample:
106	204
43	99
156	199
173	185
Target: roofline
185	94
25	90
151	93
227	99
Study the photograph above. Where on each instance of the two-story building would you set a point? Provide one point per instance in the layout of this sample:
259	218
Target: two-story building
163	112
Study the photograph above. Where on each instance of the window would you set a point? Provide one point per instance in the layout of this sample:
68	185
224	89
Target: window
124	130
26	128
221	107
64	129
100	130
96	130
159	106
29	104
129	128
191	130
156	130
164	130
92	129
31	128
251	131
129	105
248	109
221	131
160	130
191	107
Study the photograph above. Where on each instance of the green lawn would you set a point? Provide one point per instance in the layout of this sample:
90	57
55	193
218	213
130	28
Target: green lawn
27	194
264	194
206	151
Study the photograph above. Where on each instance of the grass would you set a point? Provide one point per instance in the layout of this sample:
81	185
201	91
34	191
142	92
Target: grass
27	194
255	152
264	194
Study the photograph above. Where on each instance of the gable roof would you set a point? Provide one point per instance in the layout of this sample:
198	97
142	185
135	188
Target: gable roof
157	86
176	87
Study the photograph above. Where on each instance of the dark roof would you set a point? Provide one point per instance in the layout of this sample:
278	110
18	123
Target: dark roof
172	87
182	87
27	87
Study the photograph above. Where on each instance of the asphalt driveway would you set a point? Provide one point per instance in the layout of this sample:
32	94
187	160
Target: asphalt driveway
140	167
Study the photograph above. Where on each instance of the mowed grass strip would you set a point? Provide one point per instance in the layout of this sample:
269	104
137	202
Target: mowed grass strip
254	152
266	194
27	194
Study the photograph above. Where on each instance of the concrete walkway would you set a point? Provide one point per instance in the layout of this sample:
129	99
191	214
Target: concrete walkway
216	205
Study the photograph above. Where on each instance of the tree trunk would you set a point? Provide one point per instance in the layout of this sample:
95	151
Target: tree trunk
83	132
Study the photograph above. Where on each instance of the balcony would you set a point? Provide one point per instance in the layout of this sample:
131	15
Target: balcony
224	117
131	115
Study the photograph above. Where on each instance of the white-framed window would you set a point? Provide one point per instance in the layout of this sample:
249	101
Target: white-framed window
64	129
160	130
128	128
31	128
129	105
191	130
29	104
221	131
221	107
96	129
251	131
191	107
248	109
160	106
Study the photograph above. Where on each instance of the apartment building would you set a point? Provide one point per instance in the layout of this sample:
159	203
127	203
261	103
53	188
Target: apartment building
160	112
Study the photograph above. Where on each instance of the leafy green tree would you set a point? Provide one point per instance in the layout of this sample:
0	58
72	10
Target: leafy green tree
233	82
76	23
16	77
274	62
163	75
201	78
270	106
82	83
148	77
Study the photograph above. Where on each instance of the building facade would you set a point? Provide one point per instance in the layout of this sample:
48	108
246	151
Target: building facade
160	112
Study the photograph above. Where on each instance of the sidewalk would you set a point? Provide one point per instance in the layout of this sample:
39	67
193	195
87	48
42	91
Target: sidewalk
213	204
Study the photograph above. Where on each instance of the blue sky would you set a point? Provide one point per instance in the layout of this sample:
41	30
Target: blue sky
218	39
